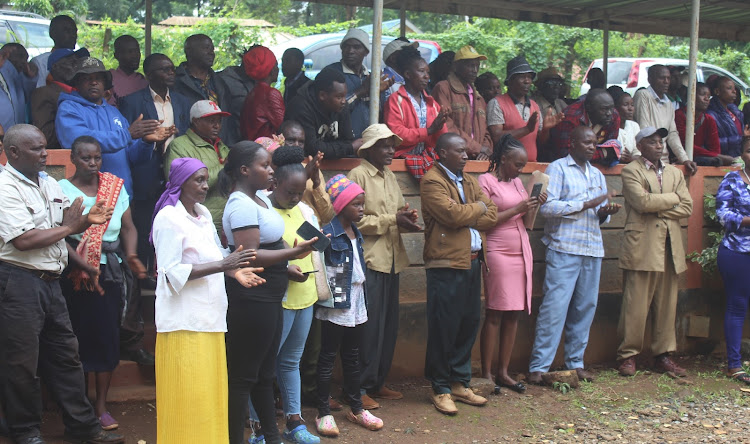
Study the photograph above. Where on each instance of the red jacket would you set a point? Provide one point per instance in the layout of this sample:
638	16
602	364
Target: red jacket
262	113
402	119
706	139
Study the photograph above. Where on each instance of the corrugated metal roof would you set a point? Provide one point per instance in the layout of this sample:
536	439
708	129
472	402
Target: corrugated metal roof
720	19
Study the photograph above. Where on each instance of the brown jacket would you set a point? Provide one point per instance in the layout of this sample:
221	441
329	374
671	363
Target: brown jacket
652	216
452	93
447	241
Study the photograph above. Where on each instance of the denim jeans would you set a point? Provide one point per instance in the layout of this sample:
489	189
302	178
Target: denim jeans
571	291
296	326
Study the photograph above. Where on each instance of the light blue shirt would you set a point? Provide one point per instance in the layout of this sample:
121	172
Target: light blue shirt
476	238
567	229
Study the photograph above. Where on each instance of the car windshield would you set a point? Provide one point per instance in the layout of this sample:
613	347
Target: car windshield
617	71
32	35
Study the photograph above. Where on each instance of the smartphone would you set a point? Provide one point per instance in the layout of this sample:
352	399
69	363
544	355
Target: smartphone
536	190
307	231
309	272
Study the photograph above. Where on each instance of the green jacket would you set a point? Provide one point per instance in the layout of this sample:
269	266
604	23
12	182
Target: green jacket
192	145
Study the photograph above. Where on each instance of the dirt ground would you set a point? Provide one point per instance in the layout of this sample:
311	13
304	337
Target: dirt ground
650	407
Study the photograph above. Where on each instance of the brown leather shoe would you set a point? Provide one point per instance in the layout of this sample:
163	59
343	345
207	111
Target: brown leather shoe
466	395
534	378
584	375
334	405
444	403
627	367
386	393
369	403
663	364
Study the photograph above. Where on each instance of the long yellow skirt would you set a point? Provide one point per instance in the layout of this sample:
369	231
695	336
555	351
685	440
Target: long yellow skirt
191	388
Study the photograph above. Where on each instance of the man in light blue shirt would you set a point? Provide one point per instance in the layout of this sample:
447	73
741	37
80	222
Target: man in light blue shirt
575	207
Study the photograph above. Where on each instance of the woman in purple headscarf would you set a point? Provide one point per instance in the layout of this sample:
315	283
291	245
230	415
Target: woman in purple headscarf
191	306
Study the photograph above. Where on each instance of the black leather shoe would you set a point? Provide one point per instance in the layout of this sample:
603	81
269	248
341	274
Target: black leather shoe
32	440
142	357
101	437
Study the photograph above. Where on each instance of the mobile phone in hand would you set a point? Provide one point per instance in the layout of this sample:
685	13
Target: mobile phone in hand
536	190
307	231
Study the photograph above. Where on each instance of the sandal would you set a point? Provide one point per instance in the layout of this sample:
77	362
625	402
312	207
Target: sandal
741	376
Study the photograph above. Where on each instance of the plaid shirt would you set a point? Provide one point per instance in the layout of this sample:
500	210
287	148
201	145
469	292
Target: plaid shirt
567	228
574	116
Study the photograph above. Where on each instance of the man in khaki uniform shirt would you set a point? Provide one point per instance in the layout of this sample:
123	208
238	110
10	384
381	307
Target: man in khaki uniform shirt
36	338
656	198
387	215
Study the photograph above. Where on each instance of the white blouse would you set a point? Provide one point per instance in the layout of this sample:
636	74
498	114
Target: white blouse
626	136
182	240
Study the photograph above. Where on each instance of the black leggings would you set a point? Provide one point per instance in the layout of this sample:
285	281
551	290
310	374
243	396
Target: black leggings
253	335
333	338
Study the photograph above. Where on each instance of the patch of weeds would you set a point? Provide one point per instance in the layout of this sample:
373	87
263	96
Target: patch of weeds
586	387
562	387
710	375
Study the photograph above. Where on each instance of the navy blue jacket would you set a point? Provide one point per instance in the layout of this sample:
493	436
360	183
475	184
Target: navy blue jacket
148	177
339	260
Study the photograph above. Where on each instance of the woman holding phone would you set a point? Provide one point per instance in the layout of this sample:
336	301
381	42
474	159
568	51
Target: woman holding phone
507	276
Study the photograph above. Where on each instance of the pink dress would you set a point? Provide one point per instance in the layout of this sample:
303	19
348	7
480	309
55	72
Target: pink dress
507	284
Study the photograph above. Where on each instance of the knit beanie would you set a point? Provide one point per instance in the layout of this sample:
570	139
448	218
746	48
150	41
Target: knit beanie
342	191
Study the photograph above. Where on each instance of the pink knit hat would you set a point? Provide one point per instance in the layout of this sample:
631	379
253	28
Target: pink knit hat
342	191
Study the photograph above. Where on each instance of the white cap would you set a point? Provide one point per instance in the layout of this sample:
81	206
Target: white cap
205	108
358	35
395	45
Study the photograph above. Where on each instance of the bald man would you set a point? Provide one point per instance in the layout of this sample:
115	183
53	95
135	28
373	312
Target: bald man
36	337
577	203
456	213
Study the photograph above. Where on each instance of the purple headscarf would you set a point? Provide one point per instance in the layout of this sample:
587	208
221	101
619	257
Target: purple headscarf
179	172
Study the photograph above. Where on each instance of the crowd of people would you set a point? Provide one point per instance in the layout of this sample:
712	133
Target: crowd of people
206	186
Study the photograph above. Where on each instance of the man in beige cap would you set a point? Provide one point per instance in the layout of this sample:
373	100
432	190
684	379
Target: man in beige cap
468	116
354	48
387	215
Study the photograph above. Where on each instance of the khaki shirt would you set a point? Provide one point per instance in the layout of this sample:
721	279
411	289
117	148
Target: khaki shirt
27	206
384	248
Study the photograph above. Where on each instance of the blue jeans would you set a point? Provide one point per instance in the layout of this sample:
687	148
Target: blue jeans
296	326
571	291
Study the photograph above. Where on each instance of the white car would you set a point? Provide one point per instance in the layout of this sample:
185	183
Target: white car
631	74
29	29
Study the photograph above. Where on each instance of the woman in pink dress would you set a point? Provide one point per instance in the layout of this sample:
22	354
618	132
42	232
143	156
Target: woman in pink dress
507	277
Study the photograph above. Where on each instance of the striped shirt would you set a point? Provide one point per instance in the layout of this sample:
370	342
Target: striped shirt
567	229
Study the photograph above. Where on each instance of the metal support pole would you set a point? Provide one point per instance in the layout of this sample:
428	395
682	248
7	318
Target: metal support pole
377	58
402	16
694	27
149	19
605	49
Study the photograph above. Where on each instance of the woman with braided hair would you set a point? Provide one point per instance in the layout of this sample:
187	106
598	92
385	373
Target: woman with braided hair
507	276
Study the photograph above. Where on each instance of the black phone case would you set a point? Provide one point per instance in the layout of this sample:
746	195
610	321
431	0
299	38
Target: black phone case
307	231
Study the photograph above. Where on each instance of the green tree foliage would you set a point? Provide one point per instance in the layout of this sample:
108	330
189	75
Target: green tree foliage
229	38
50	8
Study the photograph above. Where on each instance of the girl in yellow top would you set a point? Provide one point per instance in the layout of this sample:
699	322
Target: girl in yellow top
301	294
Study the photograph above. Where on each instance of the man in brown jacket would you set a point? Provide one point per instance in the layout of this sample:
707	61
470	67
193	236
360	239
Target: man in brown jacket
468	111
456	212
656	198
